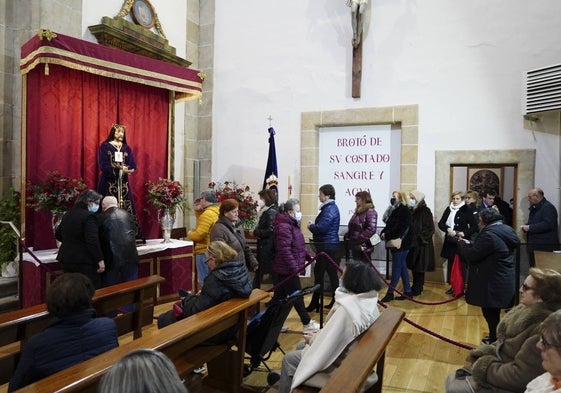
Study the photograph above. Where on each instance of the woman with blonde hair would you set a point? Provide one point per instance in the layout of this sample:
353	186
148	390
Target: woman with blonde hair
228	278
398	226
457	222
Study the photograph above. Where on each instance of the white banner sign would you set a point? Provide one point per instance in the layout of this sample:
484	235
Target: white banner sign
361	158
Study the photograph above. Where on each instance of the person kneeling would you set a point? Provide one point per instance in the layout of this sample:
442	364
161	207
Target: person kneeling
355	310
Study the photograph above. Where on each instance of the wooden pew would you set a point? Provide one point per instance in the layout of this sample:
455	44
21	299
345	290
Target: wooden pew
179	342
548	260
359	363
16	327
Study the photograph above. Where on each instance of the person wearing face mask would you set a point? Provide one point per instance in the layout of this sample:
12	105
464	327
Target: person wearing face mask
290	257
398	225
362	226
421	255
264	233
80	251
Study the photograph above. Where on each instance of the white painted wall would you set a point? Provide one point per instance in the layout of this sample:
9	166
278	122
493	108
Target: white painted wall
461	62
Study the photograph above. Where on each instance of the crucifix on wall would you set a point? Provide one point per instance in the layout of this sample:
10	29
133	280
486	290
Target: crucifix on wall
357	21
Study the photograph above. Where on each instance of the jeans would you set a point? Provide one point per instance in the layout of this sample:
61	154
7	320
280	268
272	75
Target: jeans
202	268
399	270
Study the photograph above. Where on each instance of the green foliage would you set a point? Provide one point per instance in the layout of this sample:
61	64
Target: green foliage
9	211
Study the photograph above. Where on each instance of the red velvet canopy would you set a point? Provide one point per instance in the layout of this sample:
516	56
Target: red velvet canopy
69	105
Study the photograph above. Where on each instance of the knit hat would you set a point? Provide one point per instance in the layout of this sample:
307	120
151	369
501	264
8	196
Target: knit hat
209	196
419	196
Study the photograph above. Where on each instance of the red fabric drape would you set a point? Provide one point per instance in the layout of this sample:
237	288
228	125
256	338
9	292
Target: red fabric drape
69	113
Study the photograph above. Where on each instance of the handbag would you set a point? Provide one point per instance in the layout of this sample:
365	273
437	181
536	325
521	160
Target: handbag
375	239
457	277
394	243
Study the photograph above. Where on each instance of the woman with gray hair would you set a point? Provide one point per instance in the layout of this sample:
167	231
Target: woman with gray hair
142	371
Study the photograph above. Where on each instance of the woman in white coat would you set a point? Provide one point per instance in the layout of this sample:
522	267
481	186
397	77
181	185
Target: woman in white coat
355	309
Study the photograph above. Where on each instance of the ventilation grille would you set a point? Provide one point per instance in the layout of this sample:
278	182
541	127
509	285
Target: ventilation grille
542	90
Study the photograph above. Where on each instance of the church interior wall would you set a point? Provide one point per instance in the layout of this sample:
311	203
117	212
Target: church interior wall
460	64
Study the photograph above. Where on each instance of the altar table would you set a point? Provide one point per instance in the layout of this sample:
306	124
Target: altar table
174	261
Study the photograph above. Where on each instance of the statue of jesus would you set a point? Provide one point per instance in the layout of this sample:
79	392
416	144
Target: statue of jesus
357	18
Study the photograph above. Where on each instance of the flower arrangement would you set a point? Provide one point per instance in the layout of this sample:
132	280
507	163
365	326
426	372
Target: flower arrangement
165	194
56	194
244	196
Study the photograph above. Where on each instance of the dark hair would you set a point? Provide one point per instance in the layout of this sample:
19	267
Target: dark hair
269	196
111	135
209	196
489	216
548	286
289	205
489	191
228	205
68	294
142	371
328	190
88	196
365	196
359	277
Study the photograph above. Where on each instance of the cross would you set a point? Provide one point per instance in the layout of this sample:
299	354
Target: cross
357	22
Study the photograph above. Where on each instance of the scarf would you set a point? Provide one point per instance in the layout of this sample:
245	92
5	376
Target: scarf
452	215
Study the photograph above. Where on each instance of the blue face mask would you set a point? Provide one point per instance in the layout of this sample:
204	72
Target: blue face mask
93	208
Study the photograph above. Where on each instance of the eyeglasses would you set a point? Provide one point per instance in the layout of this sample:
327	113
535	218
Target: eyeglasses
526	287
547	345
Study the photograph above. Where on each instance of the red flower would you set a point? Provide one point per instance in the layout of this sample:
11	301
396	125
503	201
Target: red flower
57	194
165	194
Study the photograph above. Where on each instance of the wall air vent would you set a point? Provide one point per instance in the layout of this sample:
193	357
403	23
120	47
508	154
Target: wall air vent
542	90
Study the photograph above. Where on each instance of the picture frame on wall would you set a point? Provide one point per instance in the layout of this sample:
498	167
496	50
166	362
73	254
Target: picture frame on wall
482	178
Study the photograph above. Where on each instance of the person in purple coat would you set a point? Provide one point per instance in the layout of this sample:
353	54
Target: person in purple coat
290	257
362	226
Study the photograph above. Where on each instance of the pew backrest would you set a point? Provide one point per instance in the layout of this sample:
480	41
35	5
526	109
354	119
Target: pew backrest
16	327
178	341
359	364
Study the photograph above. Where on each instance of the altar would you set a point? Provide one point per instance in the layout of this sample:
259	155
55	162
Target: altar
174	261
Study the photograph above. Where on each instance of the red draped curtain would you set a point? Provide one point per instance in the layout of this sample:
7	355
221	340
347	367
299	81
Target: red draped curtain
69	113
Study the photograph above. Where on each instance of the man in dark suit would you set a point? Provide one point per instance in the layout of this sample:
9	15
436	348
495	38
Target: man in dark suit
541	229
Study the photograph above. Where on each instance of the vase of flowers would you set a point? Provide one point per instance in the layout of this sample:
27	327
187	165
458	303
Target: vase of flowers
56	194
245	197
166	195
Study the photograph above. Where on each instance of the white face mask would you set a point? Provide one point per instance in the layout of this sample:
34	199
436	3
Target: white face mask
260	203
298	216
412	202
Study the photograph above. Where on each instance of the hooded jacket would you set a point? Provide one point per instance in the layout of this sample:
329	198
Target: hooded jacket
491	262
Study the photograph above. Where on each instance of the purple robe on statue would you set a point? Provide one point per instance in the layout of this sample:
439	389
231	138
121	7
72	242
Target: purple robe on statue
109	181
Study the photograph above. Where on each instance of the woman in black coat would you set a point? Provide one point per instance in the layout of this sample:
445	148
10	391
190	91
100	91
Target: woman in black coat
398	225
80	251
491	261
457	222
264	234
421	255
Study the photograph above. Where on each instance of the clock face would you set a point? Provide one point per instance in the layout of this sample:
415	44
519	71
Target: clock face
143	13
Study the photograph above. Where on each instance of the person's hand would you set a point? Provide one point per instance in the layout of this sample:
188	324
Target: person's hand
309	337
100	267
465	241
451	232
525	228
460	234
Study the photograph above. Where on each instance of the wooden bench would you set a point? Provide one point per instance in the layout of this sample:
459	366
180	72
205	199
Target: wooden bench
16	327
359	363
180	342
548	260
